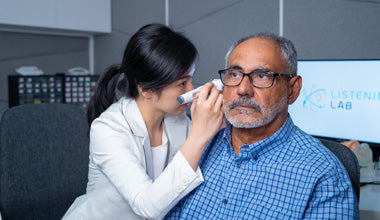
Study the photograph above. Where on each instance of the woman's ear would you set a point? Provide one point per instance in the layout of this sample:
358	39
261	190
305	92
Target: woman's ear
295	85
145	93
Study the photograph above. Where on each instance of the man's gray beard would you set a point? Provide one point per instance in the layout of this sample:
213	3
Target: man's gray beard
268	114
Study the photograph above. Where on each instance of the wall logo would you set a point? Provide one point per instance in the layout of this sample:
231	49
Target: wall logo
315	98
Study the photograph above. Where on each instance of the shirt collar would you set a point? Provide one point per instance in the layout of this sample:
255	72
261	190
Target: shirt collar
265	146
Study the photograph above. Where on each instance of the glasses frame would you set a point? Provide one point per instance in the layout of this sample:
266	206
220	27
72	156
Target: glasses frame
222	72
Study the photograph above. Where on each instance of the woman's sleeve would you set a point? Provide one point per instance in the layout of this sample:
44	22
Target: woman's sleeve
116	154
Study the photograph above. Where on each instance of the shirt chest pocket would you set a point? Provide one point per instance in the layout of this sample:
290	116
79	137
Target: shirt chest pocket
257	210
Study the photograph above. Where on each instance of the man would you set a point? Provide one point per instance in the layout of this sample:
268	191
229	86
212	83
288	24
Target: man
261	166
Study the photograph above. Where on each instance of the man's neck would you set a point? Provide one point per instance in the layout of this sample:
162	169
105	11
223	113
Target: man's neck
243	136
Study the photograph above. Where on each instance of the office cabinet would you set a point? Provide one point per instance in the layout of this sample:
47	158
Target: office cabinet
93	16
37	13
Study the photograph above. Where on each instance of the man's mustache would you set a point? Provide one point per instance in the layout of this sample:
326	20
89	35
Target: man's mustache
247	102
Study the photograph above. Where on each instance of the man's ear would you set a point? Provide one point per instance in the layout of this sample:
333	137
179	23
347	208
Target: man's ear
145	93
295	85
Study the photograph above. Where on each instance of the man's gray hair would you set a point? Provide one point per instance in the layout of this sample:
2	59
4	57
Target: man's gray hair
287	48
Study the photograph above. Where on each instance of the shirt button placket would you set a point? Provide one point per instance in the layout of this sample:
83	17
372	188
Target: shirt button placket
238	164
225	201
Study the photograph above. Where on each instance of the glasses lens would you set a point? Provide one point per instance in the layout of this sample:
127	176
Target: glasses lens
231	77
262	79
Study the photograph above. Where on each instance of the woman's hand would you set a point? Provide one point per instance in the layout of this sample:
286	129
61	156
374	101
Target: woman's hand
207	117
207	112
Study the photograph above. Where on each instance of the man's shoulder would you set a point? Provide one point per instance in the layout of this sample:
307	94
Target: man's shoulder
303	140
314	154
214	144
216	140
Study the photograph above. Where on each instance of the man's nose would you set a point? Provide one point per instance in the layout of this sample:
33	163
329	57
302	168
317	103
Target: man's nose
245	87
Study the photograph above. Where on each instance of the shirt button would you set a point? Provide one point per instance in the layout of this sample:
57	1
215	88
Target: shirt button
238	164
186	181
225	201
255	158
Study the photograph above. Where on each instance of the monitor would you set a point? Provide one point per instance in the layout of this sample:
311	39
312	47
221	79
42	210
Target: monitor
339	99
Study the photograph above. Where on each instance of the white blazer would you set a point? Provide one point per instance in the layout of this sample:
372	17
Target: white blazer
120	179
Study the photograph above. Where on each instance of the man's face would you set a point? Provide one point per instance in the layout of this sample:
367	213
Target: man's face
246	106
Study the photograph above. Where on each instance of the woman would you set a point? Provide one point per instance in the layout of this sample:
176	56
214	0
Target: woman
143	151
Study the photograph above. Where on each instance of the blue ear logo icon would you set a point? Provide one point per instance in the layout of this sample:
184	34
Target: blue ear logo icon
315	99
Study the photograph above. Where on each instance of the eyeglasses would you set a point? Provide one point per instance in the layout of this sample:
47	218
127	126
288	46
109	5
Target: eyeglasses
258	78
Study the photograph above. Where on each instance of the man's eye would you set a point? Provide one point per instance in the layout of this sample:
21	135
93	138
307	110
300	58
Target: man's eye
234	74
262	75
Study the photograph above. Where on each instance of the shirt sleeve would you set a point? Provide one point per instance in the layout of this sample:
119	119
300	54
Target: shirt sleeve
332	198
121	160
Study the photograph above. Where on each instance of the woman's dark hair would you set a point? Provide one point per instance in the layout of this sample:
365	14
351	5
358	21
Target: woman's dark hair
154	57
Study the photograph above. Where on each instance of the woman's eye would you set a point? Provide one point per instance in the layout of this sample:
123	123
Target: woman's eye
183	83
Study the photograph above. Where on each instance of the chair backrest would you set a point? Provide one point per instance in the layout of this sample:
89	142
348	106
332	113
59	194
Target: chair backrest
43	160
349	161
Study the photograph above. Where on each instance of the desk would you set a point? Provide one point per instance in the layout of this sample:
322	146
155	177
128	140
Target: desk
369	204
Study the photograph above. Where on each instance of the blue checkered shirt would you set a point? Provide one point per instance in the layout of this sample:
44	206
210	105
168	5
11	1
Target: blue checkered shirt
289	175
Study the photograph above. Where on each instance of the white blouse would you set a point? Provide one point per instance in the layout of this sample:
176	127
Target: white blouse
160	156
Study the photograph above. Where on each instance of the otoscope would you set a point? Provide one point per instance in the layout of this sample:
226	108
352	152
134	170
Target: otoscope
189	96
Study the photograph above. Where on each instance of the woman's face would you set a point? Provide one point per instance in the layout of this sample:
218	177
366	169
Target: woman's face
166	101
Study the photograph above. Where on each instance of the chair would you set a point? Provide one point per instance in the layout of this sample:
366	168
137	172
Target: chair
43	160
349	161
